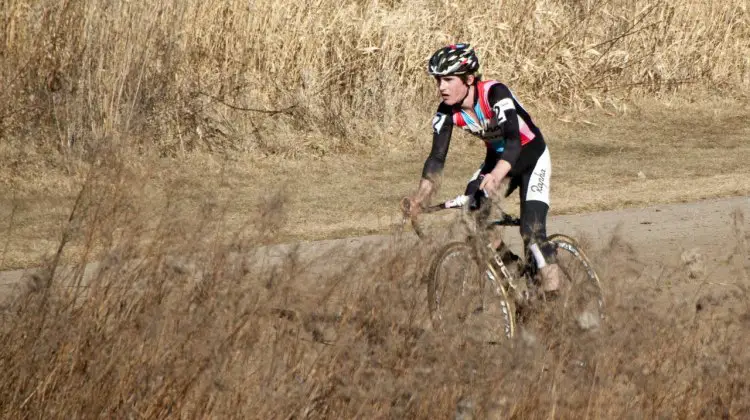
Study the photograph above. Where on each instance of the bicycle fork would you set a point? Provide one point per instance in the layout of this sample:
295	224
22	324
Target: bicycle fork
501	290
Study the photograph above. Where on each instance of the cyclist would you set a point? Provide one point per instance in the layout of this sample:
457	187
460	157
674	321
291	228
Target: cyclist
515	148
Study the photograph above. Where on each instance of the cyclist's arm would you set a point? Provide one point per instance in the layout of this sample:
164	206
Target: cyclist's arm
501	101
490	160
442	127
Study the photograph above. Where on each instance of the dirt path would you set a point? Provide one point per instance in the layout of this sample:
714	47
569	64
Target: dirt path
657	234
663	230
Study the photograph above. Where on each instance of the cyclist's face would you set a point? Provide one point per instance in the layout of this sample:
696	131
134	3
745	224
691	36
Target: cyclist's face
452	89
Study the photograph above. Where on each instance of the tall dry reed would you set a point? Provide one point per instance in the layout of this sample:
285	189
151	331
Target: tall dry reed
329	76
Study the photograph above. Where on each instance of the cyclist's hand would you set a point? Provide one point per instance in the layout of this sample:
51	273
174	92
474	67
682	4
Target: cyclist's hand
490	183
410	207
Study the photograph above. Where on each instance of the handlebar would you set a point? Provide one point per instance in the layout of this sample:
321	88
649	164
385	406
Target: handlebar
455	203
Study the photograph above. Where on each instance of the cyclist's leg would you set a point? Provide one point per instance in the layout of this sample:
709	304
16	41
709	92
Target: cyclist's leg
535	187
512	185
498	244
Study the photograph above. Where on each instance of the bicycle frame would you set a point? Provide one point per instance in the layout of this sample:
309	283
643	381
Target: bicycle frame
460	202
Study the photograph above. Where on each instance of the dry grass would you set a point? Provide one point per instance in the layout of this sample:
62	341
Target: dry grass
326	77
179	322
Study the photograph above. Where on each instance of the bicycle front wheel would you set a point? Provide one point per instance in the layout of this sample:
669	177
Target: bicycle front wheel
583	298
466	299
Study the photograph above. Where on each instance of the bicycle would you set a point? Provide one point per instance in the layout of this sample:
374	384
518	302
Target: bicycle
470	306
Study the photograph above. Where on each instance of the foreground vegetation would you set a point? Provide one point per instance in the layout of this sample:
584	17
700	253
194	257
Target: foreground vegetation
178	322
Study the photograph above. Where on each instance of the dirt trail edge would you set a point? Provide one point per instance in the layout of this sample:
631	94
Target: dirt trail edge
658	232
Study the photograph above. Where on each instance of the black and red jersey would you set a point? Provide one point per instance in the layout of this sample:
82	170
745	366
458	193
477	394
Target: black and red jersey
501	122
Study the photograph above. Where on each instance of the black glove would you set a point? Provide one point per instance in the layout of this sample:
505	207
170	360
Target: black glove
476	196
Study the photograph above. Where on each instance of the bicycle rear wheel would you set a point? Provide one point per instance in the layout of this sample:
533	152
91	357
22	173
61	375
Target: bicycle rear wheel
583	299
464	300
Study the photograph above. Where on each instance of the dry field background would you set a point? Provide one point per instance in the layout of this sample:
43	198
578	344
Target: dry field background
166	139
330	102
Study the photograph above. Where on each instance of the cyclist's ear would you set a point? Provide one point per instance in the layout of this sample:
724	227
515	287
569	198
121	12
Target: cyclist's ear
470	79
